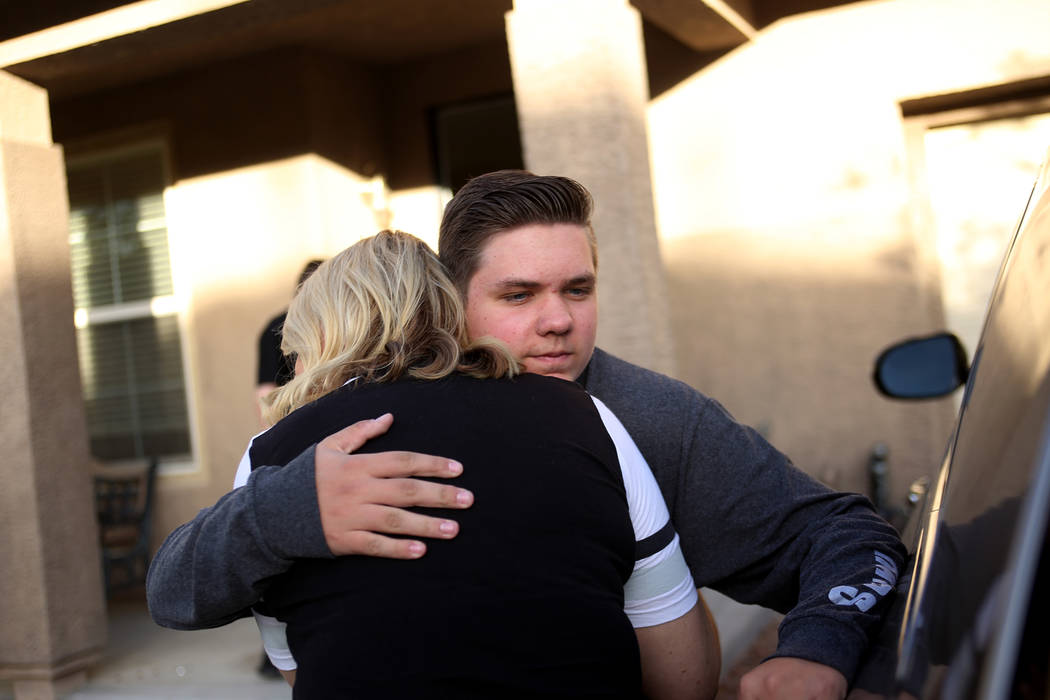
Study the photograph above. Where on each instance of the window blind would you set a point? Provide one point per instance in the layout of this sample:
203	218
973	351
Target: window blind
131	363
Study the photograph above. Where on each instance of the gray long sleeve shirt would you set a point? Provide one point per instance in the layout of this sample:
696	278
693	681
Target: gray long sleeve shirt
752	526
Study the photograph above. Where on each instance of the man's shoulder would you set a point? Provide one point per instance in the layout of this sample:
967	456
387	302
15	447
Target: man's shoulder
651	405
609	374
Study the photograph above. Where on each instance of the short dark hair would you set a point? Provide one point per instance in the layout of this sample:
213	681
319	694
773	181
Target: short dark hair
503	200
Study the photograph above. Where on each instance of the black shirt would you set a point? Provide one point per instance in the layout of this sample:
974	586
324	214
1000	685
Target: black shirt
527	601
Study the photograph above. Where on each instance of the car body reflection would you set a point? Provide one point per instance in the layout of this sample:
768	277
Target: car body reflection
966	622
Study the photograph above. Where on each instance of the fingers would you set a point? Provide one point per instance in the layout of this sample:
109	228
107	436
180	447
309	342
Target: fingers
404	493
370	544
361	496
387	464
352	437
381	519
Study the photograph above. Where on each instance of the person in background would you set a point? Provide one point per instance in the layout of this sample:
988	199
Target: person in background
274	367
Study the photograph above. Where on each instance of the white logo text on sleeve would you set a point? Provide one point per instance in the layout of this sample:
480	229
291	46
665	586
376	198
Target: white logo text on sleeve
882	582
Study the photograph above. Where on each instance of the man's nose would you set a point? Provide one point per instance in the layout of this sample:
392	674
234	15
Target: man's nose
555	317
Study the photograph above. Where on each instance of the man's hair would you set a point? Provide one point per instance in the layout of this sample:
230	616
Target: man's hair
380	310
503	200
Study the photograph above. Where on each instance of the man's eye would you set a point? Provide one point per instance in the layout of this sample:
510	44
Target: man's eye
579	291
517	296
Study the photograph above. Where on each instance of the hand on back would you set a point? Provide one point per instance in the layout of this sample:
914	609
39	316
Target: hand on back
362	497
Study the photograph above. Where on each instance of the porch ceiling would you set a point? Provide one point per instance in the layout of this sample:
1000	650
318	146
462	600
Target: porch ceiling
375	33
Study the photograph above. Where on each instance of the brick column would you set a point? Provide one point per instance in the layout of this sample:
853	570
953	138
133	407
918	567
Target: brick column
581	91
51	599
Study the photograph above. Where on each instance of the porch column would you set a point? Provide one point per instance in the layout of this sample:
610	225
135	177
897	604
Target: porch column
52	603
581	90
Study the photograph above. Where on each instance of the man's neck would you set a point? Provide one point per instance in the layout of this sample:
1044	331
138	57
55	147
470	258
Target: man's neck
582	379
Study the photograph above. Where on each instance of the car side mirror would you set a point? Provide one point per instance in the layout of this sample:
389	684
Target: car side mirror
922	368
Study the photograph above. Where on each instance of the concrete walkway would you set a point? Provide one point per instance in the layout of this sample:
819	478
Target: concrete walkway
144	661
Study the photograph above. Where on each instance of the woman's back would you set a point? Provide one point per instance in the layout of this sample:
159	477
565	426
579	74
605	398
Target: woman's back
527	601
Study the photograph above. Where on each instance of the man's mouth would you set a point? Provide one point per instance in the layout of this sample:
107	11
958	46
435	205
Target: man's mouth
549	363
552	356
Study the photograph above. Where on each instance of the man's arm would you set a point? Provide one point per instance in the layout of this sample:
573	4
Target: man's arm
211	570
755	527
325	502
826	559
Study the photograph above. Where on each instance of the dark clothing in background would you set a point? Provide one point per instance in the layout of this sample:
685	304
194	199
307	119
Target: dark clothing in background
274	366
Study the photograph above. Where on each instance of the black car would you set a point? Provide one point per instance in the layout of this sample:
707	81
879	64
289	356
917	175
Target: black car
972	619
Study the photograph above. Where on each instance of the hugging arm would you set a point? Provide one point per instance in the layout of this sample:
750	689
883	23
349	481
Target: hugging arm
758	529
784	540
210	570
325	502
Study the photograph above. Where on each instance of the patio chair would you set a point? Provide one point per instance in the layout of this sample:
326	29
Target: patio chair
124	504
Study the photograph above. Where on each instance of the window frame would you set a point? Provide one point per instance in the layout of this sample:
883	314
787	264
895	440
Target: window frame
105	148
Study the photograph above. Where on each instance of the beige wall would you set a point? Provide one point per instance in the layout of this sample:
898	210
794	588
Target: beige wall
783	200
239	240
793	240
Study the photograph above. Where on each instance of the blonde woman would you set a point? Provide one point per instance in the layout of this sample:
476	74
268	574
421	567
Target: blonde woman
567	583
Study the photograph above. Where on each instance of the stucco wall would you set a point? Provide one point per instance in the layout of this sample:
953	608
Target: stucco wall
790	228
783	197
239	240
271	160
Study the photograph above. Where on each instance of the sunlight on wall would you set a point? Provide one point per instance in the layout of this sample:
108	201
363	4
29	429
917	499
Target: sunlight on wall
980	176
254	222
789	215
802	125
418	211
238	241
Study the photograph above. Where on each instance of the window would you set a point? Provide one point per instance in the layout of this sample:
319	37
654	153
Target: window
128	337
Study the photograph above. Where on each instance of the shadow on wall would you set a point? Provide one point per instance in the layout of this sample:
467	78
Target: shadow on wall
785	338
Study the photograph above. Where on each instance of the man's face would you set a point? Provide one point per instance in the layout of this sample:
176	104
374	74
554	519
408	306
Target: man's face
534	289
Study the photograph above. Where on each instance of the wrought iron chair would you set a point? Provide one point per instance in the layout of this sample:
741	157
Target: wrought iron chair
124	504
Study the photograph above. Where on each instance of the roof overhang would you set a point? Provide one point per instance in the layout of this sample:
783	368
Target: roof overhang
121	42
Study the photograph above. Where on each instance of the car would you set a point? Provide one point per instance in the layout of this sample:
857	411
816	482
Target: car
971	618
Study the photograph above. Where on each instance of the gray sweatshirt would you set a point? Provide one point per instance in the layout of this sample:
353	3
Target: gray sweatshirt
751	524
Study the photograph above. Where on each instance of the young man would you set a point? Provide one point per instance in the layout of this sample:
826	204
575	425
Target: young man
521	249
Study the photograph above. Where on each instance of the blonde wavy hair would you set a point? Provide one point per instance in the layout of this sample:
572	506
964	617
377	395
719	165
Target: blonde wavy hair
382	309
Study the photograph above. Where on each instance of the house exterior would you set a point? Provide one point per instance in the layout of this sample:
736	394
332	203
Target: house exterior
766	216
